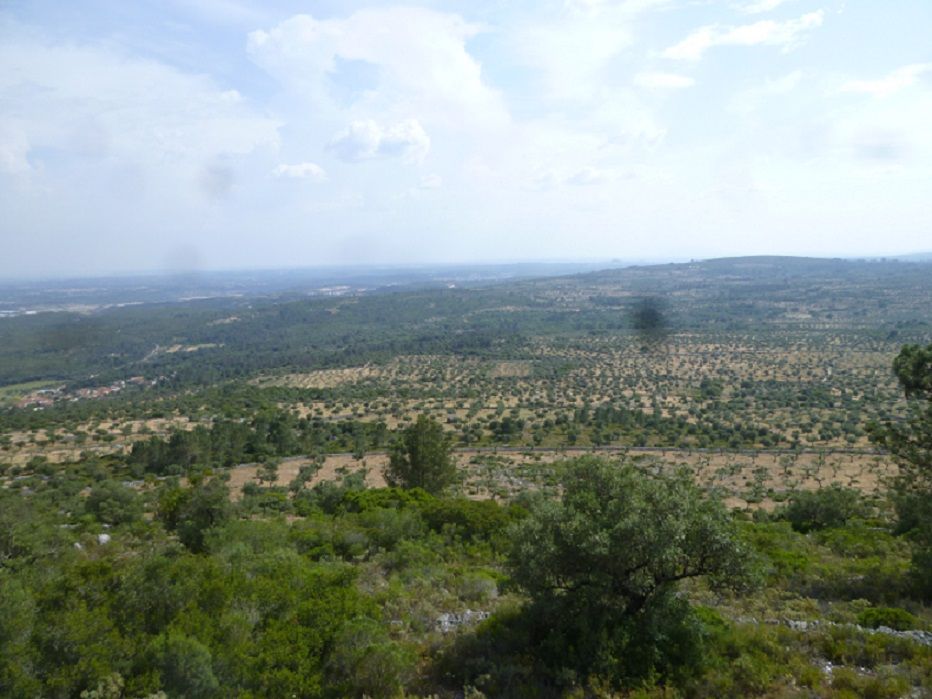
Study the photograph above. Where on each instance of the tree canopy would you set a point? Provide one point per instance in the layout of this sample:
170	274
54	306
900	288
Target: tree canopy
422	458
601	566
910	443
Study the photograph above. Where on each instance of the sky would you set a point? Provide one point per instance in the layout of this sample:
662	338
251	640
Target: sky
226	134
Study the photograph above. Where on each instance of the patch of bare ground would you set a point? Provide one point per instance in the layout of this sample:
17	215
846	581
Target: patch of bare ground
745	480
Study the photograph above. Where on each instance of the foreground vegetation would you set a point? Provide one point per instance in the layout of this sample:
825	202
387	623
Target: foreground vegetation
106	588
139	557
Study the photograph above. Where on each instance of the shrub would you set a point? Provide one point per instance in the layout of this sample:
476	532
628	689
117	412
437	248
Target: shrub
891	617
365	662
820	509
467	519
114	503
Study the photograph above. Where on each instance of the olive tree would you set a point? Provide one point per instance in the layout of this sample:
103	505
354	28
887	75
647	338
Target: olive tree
602	567
910	443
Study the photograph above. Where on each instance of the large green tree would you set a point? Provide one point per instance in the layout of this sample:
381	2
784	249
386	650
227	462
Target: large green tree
910	443
602	568
190	512
422	458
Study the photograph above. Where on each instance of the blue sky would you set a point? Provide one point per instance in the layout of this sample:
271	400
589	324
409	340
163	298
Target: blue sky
230	134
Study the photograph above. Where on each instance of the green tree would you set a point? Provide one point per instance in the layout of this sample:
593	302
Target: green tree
192	511
365	662
828	507
17	620
114	503
422	458
602	567
910	444
184	665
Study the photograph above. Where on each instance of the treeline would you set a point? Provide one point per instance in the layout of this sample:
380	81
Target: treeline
228	442
607	424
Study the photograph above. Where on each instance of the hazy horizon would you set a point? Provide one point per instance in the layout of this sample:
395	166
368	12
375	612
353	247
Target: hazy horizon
438	266
227	135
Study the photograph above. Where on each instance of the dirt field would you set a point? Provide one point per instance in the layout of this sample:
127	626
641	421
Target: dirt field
746	481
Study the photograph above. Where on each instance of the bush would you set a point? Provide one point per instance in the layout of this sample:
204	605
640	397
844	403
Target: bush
820	509
381	498
190	512
891	617
365	662
114	503
467	519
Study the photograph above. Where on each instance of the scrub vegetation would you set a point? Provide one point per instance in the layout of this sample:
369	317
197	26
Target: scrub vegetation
701	480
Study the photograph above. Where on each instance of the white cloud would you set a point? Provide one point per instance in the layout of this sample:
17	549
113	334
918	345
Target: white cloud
301	171
766	32
575	51
663	80
90	101
893	82
572	54
365	139
423	65
762	6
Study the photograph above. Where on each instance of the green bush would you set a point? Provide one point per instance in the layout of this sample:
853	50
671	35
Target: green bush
381	498
891	617
820	509
114	503
467	519
365	662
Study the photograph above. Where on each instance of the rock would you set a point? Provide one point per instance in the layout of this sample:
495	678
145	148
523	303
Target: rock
450	621
103	539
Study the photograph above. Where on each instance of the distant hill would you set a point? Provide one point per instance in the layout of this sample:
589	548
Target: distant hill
916	257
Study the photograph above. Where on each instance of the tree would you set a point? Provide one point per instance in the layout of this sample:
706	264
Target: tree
422	458
823	508
114	503
910	444
184	666
192	511
602	566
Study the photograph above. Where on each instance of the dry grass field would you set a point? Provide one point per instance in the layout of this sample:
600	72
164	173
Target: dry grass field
745	480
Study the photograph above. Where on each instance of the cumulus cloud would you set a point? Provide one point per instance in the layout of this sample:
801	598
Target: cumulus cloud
574	52
93	101
365	139
301	171
420	55
766	32
893	82
663	80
